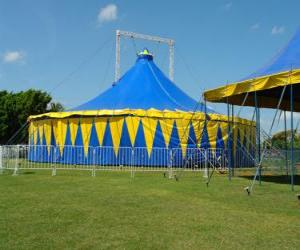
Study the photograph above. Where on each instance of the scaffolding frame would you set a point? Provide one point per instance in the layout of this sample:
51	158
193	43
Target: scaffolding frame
169	42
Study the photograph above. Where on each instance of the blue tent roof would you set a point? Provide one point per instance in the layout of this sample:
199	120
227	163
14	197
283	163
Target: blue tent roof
287	59
144	86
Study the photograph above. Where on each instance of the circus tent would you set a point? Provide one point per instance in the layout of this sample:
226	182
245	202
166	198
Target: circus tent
143	111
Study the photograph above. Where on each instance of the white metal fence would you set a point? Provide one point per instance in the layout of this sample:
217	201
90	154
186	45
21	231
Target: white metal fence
17	157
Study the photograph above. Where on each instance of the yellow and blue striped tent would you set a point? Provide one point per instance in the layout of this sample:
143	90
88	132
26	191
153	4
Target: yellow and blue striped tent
144	110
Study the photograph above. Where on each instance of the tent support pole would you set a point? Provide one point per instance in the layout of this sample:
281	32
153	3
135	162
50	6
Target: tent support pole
206	147
257	113
233	143
285	144
228	141
292	136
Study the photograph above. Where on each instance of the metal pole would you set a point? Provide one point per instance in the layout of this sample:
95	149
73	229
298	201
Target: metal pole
229	141
292	136
171	60
257	114
170	165
206	172
286	145
118	56
17	153
232	141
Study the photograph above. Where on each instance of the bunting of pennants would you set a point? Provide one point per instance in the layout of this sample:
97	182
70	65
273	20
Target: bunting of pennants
146	134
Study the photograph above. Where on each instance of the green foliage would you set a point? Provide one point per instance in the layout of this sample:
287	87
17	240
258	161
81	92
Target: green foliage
15	108
282	140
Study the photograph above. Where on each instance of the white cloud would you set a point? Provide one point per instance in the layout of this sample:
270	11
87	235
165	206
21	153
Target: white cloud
277	30
255	26
13	56
108	13
228	6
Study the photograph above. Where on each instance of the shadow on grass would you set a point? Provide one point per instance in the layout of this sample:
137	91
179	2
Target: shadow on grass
281	179
28	172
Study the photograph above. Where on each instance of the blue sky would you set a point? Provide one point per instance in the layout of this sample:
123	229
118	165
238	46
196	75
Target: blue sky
67	47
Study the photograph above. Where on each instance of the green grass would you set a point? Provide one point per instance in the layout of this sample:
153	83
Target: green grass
113	211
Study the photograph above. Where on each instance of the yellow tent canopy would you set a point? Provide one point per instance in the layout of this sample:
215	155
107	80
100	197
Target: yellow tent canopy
268	89
268	83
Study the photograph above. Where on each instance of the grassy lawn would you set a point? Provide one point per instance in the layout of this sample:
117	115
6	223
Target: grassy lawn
113	211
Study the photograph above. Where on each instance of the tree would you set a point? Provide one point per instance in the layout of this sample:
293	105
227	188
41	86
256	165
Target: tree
56	107
15	108
279	141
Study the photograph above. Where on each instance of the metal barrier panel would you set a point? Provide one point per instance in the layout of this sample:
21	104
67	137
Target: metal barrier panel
108	158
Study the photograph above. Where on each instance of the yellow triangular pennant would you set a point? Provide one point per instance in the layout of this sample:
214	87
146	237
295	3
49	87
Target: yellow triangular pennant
166	128
149	126
212	130
198	128
183	127
224	129
73	125
132	123
41	131
100	123
31	133
86	129
60	131
47	133
116	127
34	132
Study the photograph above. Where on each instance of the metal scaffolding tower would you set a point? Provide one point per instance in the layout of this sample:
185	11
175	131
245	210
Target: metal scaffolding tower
133	35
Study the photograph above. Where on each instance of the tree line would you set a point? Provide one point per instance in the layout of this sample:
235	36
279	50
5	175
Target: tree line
282	140
16	107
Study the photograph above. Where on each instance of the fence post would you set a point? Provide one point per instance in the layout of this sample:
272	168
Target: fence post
94	163
53	170
170	164
1	160
17	153
205	175
132	157
53	163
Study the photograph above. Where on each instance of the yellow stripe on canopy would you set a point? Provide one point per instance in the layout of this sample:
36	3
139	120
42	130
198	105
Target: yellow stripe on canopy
224	129
149	126
41	131
73	125
183	127
47	133
116	127
212	129
166	128
34	132
60	132
100	123
132	123
198	128
86	129
266	86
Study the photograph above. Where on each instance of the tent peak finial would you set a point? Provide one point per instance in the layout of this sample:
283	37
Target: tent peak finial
145	53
